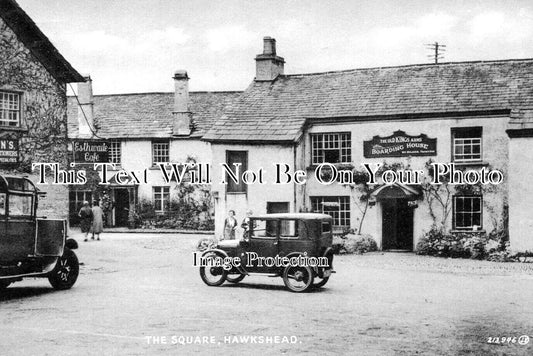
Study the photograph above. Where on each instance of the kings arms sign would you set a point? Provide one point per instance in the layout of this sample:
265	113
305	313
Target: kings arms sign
399	144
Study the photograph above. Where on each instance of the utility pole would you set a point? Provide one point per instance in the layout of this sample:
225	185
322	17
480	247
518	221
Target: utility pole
437	50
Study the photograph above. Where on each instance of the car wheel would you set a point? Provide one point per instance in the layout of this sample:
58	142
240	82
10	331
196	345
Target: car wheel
230	278
298	278
213	276
66	271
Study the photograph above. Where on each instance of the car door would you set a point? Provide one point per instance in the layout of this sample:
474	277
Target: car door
263	243
294	238
19	241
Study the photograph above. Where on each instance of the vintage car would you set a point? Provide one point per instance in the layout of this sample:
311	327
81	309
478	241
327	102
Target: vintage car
296	247
32	246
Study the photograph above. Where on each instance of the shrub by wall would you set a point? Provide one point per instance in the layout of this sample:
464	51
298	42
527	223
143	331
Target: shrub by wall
475	245
354	244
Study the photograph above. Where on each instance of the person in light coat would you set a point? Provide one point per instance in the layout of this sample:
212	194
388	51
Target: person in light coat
98	221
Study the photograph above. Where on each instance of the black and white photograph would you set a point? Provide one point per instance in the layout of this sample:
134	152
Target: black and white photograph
280	177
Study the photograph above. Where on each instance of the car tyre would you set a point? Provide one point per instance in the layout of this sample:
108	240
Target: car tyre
66	271
298	278
237	279
213	276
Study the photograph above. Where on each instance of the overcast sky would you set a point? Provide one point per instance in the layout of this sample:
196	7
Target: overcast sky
133	46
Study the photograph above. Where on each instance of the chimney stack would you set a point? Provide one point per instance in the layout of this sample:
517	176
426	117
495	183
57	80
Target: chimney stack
181	113
86	108
268	65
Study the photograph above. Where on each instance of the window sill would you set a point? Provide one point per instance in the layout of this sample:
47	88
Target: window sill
236	193
471	164
347	165
13	128
468	231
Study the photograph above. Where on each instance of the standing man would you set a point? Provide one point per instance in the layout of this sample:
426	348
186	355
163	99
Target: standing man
98	220
246	225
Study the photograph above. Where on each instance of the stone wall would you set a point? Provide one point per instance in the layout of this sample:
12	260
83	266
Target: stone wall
43	137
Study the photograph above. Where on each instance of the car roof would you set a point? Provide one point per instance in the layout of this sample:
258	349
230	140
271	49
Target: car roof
299	216
17	184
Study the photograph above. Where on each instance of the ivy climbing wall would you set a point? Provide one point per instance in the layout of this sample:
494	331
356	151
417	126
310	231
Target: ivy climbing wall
43	129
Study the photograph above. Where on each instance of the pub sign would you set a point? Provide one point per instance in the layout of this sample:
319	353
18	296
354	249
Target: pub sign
399	144
9	150
90	151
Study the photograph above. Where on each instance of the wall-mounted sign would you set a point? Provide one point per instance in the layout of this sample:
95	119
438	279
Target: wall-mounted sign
90	151
9	150
399	144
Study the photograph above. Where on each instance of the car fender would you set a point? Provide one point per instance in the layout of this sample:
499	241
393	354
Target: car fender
328	253
223	254
71	244
215	250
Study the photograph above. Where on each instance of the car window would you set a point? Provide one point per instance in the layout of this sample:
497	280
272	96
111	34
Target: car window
264	229
289	229
326	227
20	205
2	204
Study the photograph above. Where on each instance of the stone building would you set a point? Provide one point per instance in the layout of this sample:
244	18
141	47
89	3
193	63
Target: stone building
33	103
143	130
476	115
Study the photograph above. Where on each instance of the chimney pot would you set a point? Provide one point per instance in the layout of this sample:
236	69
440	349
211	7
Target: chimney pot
181	75
269	46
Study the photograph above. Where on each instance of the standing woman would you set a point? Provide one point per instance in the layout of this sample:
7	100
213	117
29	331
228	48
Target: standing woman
86	215
230	224
98	220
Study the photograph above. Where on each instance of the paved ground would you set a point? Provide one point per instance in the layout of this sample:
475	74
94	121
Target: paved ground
137	286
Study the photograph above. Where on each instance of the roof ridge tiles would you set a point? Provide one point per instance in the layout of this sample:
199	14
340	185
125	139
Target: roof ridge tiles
421	65
168	93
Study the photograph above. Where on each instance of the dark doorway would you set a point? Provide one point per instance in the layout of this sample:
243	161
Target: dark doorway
122	207
397	228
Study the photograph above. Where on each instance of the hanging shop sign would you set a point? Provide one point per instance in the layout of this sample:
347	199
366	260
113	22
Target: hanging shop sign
90	151
399	144
9	150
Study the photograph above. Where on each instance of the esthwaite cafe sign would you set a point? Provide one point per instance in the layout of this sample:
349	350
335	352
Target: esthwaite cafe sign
399	144
90	151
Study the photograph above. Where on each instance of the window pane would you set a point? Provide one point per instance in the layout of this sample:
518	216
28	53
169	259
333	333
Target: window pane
9	109
331	148
115	152
20	205
467	211
160	152
467	144
263	229
337	207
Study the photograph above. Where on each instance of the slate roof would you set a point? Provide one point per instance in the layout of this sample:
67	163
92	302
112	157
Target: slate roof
149	115
277	111
36	41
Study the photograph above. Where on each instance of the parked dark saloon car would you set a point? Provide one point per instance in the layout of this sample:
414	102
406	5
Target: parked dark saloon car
296	247
32	246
